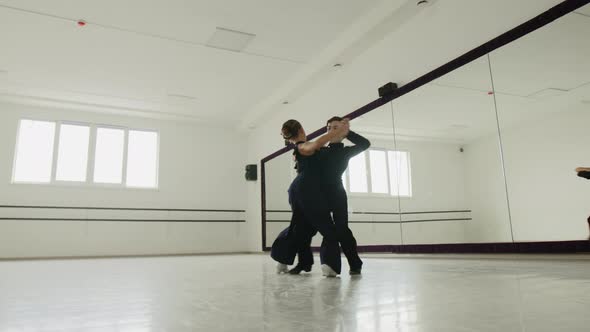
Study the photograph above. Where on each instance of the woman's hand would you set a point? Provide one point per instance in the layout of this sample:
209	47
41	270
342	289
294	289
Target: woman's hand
344	127
341	131
309	148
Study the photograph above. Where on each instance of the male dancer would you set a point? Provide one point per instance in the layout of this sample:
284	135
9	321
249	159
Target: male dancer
334	159
584	172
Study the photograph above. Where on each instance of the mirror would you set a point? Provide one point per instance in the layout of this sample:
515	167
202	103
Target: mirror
542	86
446	134
484	154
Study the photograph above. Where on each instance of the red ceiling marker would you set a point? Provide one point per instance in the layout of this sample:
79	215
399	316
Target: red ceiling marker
81	23
490	93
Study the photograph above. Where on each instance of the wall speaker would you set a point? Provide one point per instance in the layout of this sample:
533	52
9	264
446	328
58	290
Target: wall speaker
252	172
387	89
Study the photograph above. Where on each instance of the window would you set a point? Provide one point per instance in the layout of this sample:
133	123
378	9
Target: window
34	151
399	170
388	173
108	161
85	154
357	171
378	162
72	155
142	159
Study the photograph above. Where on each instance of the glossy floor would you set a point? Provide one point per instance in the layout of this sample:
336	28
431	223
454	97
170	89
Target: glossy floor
243	293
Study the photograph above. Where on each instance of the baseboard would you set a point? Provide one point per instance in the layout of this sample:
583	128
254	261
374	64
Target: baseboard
120	256
546	247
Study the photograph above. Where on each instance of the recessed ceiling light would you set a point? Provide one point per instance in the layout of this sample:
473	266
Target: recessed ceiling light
459	126
182	96
421	2
285	102
548	93
231	40
337	65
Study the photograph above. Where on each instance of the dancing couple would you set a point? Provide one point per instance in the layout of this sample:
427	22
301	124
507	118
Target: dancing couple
318	200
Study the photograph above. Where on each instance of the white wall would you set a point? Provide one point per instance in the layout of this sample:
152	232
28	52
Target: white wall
548	202
200	168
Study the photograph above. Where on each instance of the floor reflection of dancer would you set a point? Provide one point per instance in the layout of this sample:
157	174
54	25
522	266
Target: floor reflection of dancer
584	172
308	202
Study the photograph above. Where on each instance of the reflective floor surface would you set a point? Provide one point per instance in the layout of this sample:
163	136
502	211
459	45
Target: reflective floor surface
243	293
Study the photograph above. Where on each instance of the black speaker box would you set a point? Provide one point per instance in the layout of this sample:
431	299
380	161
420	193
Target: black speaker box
252	172
387	89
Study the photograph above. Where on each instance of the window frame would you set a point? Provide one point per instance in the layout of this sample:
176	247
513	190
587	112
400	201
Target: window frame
369	192
89	183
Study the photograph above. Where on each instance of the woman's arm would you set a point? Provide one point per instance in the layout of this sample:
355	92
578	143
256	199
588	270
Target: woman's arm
309	148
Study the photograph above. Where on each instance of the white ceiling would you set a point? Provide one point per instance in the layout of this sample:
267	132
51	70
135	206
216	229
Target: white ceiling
150	56
584	10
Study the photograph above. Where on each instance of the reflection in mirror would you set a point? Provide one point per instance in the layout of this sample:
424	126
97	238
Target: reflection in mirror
543	93
446	133
373	207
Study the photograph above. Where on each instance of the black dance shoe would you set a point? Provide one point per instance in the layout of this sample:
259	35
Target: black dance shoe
298	269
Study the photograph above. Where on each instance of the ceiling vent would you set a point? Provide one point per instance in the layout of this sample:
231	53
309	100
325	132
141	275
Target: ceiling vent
182	101
231	40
